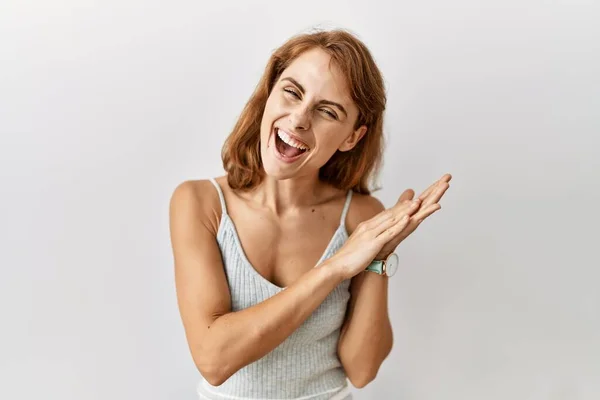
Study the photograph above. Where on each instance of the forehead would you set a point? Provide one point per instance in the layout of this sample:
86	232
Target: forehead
319	75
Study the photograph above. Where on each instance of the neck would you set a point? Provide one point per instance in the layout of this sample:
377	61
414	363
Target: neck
284	195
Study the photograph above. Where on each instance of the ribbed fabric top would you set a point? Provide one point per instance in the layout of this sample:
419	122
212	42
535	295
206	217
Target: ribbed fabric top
305	366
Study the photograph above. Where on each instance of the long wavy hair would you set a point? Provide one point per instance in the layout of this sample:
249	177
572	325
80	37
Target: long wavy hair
352	169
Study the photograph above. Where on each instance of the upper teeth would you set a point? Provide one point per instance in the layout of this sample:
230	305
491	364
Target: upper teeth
290	140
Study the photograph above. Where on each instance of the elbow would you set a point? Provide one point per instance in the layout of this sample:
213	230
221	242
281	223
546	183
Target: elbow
217	360
362	380
211	366
212	375
361	368
360	373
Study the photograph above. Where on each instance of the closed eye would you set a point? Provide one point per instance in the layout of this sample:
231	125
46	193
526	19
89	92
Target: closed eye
326	111
331	114
292	92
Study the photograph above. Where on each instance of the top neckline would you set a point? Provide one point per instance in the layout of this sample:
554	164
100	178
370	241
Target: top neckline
341	230
225	218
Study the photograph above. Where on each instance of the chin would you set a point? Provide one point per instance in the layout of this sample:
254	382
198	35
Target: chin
275	170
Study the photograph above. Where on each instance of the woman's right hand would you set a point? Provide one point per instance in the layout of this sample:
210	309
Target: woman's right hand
370	236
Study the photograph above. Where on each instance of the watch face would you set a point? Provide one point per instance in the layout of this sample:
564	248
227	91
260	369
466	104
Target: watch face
391	264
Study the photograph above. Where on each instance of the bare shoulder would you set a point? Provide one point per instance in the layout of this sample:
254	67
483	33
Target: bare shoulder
362	208
196	201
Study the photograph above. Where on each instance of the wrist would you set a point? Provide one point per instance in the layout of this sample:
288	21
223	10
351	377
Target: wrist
382	256
335	269
388	266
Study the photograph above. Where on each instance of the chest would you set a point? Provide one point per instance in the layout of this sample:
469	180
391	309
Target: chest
283	249
260	269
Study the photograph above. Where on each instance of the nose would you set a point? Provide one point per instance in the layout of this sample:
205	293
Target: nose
299	118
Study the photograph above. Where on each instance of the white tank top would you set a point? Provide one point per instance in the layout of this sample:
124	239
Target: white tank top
304	366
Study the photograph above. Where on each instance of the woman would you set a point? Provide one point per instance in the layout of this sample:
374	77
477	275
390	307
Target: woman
270	260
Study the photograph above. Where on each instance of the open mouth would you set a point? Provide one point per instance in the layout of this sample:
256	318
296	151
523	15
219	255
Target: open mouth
288	147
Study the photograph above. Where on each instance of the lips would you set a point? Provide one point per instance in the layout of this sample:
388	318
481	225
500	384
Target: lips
291	139
287	147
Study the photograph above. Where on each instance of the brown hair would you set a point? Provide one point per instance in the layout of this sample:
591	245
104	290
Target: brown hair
345	170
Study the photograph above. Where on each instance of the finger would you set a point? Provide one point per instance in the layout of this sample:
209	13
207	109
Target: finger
445	178
425	212
392	231
405	198
396	212
436	194
406	206
412	224
408	194
427	191
378	219
384	223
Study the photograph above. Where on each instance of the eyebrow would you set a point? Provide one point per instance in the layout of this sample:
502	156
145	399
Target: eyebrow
327	102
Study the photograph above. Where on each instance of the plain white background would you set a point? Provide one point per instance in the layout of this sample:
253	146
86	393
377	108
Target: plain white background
106	106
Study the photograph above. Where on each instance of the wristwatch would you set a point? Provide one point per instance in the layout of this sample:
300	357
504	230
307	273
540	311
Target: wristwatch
388	267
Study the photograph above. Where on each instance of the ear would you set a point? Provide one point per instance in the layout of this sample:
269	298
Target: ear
353	139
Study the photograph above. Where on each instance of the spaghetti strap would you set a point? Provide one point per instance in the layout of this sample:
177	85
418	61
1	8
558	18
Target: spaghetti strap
221	197
346	207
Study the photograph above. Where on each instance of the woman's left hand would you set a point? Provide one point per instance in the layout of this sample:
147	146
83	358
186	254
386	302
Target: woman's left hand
429	204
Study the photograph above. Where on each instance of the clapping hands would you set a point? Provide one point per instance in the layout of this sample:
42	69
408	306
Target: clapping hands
418	210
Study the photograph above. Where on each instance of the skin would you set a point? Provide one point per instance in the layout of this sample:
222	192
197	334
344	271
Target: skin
299	109
285	225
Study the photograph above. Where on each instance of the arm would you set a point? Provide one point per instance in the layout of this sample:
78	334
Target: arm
222	342
366	336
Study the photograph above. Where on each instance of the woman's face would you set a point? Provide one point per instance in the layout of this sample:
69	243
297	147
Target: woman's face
309	116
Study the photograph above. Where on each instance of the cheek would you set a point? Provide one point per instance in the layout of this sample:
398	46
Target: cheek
328	144
332	137
272	108
267	119
275	102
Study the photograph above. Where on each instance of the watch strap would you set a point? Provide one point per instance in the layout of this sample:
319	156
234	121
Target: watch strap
376	266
